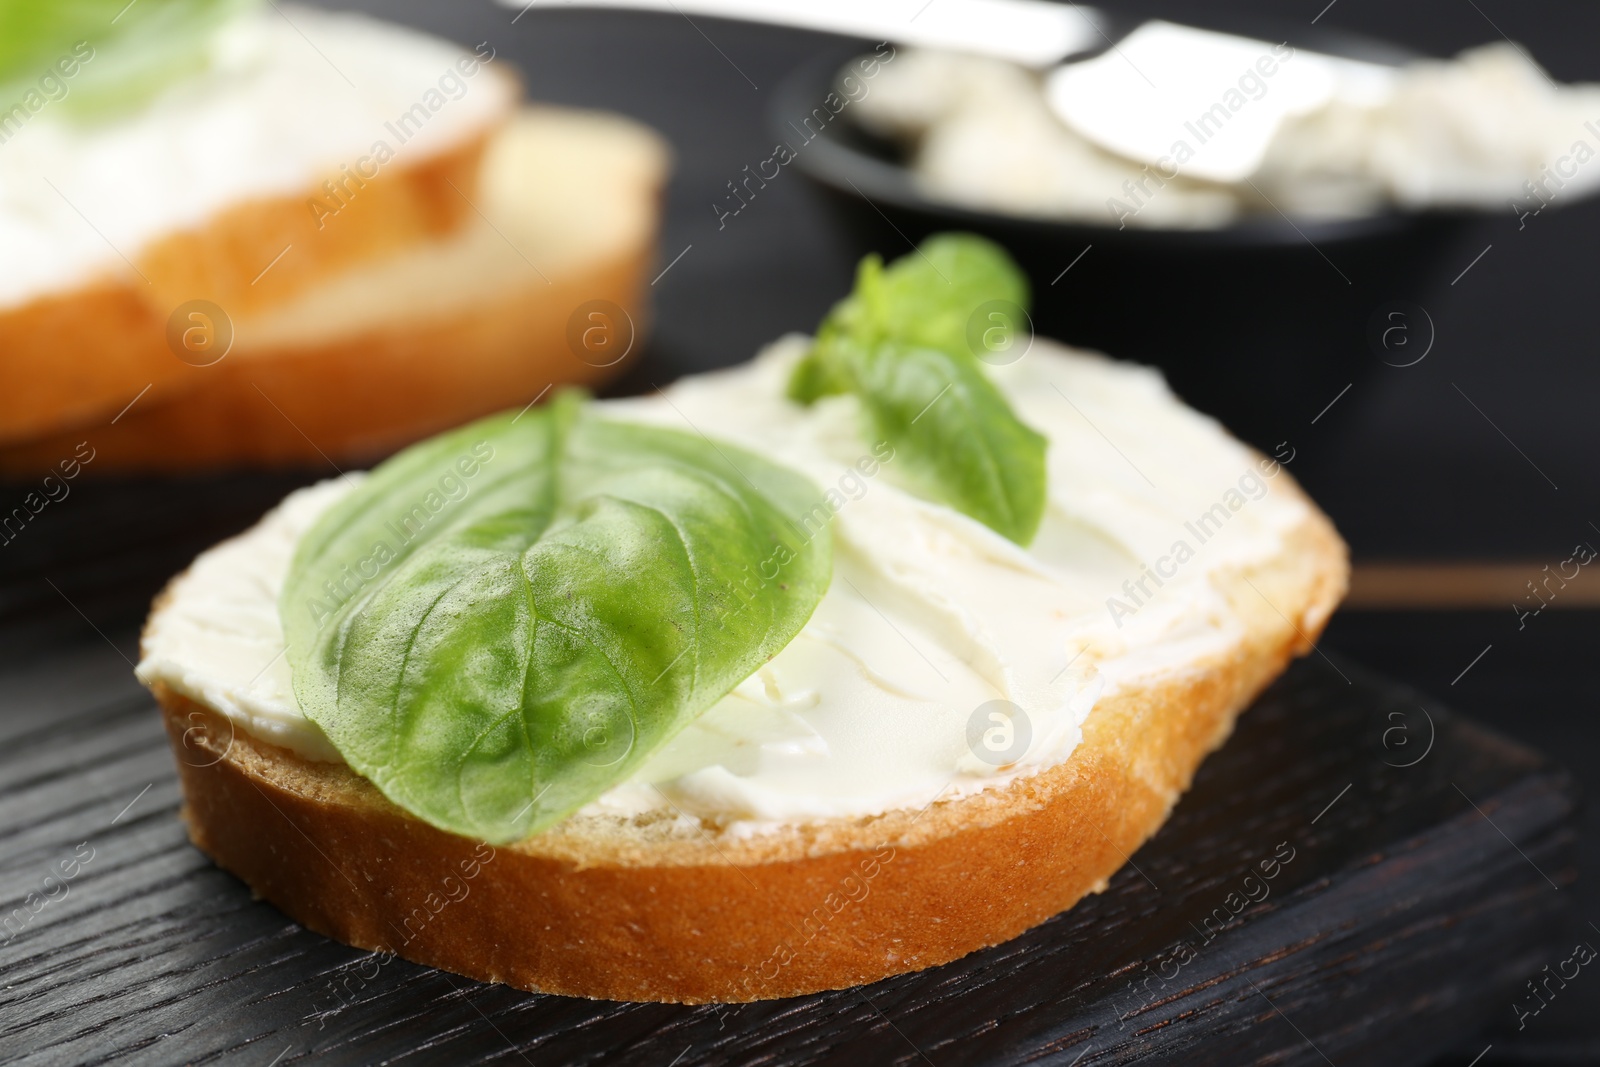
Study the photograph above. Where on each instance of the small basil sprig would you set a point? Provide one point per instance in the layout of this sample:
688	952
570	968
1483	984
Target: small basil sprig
94	59
501	623
901	343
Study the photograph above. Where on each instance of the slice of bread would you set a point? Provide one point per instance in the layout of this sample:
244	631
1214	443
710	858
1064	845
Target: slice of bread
563	213
75	355
210	192
663	909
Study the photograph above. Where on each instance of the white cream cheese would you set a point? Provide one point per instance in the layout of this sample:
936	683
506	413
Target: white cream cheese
1476	131
290	97
883	700
1252	85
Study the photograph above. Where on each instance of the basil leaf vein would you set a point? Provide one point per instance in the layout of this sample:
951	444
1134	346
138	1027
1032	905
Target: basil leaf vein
503	622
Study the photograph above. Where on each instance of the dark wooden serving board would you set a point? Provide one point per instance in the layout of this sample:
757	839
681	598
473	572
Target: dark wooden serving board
1417	901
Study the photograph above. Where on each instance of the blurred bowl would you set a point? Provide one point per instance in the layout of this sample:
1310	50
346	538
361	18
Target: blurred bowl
1261	323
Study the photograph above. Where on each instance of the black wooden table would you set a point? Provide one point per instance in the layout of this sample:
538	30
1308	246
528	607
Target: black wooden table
1357	877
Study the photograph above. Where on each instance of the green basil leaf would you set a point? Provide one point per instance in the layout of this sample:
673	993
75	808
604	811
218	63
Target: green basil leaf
853	322
900	341
959	437
928	297
501	623
119	54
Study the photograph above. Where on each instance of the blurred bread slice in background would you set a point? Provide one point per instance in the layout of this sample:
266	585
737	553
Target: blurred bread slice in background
69	356
303	143
542	284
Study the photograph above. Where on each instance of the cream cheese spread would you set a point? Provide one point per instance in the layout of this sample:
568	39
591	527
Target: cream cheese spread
943	659
291	96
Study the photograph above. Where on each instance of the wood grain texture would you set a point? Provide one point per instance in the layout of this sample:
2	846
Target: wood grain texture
1405	920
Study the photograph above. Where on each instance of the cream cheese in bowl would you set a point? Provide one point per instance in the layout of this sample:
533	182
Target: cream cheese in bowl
1152	135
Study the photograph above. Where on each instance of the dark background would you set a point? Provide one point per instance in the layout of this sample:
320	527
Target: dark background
1405	466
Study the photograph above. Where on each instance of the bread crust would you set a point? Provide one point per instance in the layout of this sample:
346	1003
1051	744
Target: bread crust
376	357
68	358
355	399
71	356
699	915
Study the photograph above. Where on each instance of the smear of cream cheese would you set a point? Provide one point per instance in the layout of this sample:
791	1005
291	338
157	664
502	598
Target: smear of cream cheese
1234	133
930	617
290	97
